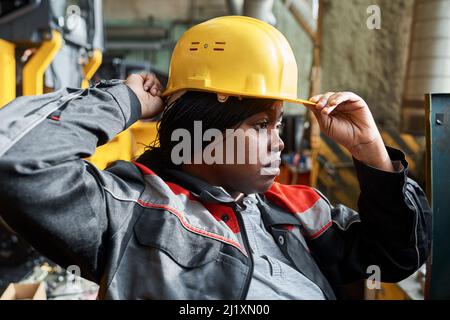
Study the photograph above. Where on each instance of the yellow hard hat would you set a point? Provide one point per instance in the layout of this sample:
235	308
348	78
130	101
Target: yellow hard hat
236	56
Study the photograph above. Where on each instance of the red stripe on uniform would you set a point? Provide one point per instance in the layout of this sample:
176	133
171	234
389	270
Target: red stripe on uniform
288	227
294	198
191	227
218	211
322	230
144	169
176	189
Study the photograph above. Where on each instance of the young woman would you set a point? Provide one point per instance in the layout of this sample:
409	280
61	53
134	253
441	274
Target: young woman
165	228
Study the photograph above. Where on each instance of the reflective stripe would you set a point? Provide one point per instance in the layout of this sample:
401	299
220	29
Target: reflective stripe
316	219
181	217
190	227
310	209
192	214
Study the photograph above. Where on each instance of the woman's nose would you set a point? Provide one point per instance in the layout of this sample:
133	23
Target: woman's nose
276	144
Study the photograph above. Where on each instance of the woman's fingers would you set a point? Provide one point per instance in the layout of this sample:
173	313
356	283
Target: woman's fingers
155	91
332	102
342	97
316	98
151	83
148	79
337	99
321	101
324	100
327	110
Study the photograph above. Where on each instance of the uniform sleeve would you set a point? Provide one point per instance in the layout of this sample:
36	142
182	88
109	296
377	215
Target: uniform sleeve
48	193
391	231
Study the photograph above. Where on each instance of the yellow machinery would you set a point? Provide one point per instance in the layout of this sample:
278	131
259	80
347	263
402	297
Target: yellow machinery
126	146
91	67
33	71
7	72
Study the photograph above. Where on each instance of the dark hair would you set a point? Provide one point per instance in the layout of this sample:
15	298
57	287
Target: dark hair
198	106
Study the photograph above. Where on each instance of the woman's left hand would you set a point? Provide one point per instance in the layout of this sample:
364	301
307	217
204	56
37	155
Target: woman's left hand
345	118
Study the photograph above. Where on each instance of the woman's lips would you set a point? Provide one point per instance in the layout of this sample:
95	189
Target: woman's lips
272	167
272	163
270	171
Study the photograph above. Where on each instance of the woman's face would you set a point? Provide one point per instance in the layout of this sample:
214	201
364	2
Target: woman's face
254	164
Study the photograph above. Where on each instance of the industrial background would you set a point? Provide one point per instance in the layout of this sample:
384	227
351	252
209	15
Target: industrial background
394	54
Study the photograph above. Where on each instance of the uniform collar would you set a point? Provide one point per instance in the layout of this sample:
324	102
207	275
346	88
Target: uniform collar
207	193
201	189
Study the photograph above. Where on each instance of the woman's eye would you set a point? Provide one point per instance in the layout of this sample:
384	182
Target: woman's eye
280	126
262	125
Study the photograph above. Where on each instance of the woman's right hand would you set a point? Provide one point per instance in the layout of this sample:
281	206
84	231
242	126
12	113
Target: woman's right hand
148	89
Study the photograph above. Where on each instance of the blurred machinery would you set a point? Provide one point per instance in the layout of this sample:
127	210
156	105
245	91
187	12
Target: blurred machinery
337	178
61	39
46	45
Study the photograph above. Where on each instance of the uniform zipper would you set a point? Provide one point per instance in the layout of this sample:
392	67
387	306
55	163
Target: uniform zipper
249	251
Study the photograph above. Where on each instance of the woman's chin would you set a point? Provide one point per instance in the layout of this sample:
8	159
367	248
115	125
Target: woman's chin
266	183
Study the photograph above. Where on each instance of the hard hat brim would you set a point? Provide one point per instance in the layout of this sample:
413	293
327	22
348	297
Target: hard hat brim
281	98
301	101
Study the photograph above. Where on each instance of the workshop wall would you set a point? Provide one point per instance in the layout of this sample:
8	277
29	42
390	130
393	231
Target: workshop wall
371	63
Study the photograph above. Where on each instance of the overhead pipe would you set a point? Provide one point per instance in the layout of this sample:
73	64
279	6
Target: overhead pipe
260	9
234	7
